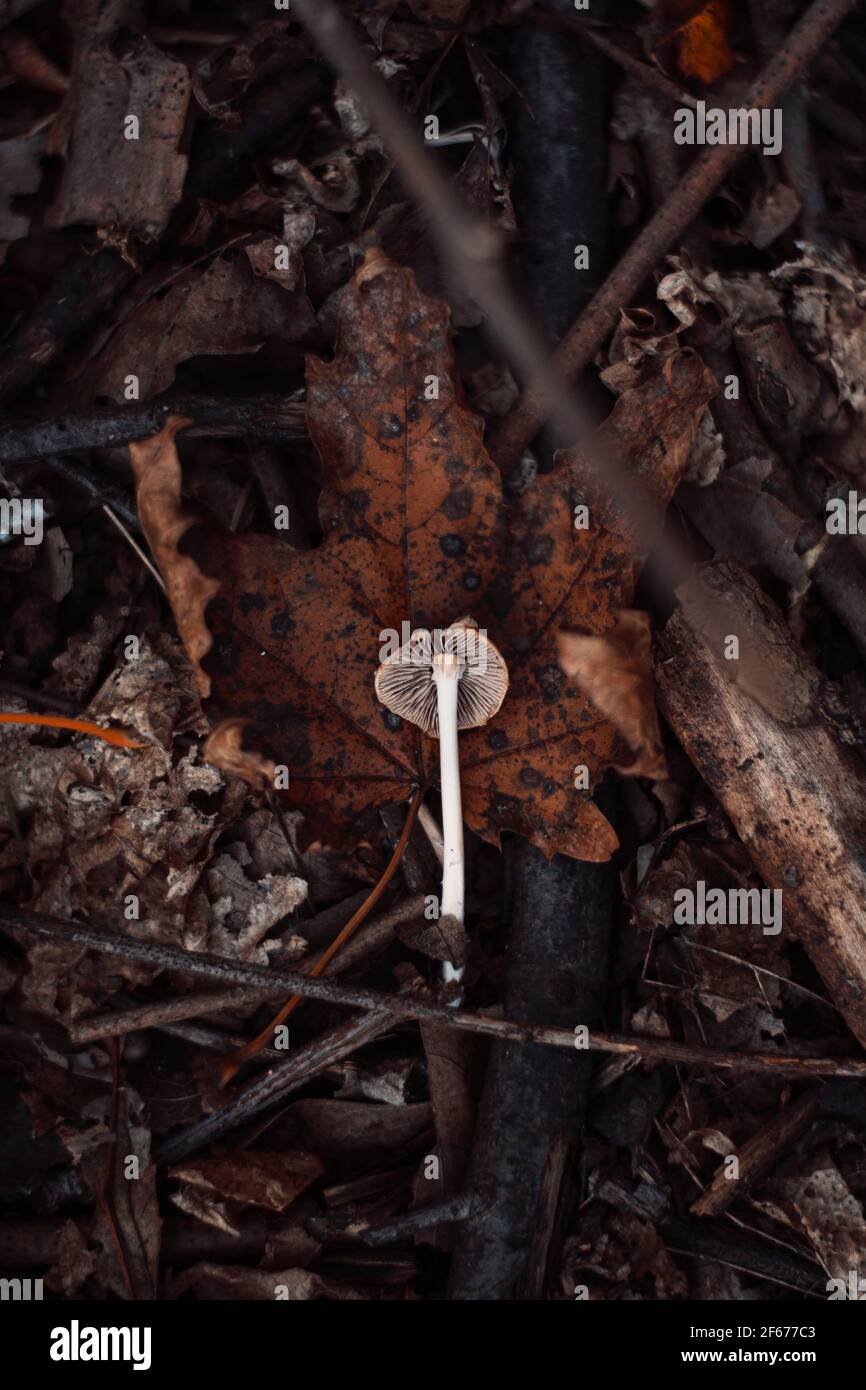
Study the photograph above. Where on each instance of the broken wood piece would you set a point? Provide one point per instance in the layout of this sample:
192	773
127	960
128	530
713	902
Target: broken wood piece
755	729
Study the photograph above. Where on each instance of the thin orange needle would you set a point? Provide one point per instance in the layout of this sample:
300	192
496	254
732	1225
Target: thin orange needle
81	726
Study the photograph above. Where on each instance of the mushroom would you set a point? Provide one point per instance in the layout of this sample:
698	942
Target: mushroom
451	680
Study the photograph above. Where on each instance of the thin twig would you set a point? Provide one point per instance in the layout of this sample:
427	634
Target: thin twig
596	35
277	1082
109	1175
92	1027
166	1013
270	418
282	982
145	559
39	697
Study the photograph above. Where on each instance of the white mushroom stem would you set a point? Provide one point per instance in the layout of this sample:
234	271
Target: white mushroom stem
446	674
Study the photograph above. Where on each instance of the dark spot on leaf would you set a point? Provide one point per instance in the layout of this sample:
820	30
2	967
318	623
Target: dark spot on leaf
497	739
281	623
250	603
530	777
391	721
451	544
458	504
471	580
359	498
454	466
538	550
551	680
390	427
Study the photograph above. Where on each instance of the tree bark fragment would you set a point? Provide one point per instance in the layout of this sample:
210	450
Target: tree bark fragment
792	788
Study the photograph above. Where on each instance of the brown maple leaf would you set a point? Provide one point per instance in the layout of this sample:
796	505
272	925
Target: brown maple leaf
417	533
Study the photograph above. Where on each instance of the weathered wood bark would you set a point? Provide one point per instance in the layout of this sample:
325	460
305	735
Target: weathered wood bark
762	735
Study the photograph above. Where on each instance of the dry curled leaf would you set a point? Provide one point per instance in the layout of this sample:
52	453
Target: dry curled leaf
698	29
157	475
223	310
615	671
416	533
223	748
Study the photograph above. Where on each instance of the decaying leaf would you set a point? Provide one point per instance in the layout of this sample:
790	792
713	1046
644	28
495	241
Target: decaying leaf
828	1214
157	473
698	28
224	310
415	535
269	1180
146	163
134	1225
347	1133
615	671
223	748
828	301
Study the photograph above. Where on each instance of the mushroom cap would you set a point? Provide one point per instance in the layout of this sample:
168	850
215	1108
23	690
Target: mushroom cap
405	684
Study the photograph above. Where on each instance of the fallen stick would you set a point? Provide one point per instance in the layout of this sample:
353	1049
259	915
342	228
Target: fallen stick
277	1082
407	1227
793	791
278	983
155	1013
721	1244
590	32
244	417
658	236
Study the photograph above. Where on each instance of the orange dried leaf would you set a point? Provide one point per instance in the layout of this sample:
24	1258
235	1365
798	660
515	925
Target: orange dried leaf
616	672
702	49
157	475
223	748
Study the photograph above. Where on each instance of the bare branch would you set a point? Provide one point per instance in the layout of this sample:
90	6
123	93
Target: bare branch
282	982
